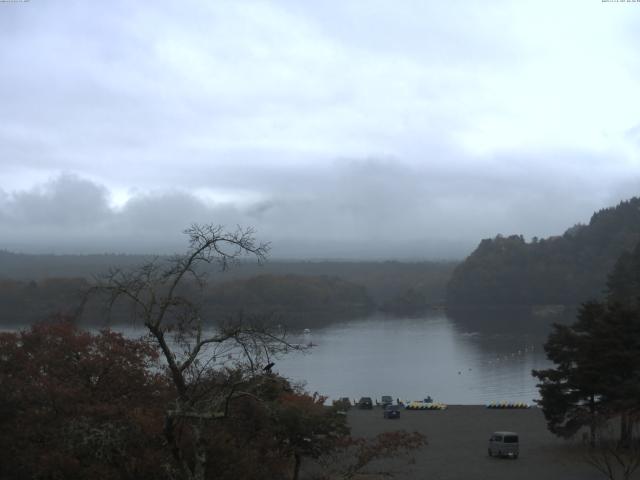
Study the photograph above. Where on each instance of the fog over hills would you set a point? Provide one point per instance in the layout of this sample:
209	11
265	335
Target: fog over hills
337	130
408	219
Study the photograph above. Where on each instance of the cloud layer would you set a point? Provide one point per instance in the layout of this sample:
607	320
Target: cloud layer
359	209
335	128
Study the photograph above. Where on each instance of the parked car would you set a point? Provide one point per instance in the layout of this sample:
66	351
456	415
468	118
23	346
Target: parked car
504	444
385	400
391	411
365	403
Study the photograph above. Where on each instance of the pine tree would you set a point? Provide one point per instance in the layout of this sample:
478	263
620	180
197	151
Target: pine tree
571	393
597	372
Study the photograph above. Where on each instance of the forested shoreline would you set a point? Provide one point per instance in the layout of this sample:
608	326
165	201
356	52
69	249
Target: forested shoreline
294	293
559	270
547	276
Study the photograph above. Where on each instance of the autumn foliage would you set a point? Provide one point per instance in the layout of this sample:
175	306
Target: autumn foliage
75	405
79	405
177	405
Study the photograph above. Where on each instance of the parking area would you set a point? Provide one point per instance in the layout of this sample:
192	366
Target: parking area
458	440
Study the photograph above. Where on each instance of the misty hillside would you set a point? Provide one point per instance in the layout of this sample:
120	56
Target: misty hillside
566	269
384	280
294	298
33	287
20	266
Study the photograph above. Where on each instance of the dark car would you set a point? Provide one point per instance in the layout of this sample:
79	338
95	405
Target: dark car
386	400
365	403
504	444
391	411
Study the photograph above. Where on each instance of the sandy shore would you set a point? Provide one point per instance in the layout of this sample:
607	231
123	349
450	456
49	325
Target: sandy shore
458	445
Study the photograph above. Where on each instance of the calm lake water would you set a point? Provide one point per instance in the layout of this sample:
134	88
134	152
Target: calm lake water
471	358
412	358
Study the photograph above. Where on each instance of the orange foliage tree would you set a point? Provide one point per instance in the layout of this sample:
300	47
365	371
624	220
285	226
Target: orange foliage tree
79	405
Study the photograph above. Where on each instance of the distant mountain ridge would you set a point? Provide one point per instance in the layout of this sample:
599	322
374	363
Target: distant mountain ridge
34	286
566	269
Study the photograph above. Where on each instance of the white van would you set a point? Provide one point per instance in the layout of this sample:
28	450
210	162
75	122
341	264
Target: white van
504	444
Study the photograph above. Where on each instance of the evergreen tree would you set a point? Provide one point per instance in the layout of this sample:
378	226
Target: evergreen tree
597	372
624	282
571	393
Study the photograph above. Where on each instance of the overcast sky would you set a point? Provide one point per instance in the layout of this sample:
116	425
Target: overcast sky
341	129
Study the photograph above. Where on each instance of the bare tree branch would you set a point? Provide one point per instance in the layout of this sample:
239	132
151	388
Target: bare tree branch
161	295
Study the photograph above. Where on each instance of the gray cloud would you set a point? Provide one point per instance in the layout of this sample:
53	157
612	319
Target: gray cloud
335	128
66	201
371	208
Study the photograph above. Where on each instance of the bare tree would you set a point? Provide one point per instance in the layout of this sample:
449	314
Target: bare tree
351	456
616	459
208	364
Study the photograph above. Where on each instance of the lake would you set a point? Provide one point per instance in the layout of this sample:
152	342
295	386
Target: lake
434	355
474	357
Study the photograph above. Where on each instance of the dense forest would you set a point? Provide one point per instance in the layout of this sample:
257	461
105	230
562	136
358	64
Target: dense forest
30	301
560	270
385	281
596	367
289	296
32	287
